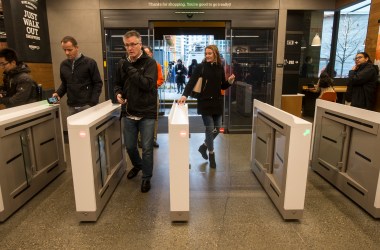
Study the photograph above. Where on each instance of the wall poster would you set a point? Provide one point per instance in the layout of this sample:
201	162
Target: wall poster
27	29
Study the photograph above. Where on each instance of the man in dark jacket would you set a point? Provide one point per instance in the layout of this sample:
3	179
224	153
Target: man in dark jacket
136	89
362	83
80	78
19	88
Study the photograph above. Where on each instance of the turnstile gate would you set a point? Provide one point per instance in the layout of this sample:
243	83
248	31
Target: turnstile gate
97	161
31	153
346	151
178	121
280	157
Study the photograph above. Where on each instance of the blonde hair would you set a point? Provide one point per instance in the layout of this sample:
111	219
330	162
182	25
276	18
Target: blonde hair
216	53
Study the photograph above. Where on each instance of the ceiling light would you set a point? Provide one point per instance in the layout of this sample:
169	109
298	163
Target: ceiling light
316	40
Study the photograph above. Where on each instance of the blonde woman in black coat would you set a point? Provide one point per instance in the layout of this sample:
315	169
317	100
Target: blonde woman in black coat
210	100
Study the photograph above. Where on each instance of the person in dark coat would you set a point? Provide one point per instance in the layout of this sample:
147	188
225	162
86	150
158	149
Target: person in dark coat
136	90
80	78
362	83
192	67
210	100
180	77
19	88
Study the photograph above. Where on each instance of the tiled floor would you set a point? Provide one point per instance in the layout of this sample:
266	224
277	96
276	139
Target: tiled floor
228	210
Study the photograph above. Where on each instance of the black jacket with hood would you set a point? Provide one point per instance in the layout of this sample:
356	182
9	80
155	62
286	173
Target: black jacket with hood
19	87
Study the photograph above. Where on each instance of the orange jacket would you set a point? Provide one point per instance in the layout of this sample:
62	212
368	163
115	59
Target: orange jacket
160	77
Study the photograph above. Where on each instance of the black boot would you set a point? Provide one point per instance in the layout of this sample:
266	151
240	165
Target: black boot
203	150
212	160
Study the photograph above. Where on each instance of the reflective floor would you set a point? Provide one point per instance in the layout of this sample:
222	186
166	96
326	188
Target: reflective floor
228	210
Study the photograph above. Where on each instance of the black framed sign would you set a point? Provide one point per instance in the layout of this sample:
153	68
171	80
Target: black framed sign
27	29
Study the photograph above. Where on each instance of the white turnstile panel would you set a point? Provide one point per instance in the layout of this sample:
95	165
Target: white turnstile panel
178	121
346	151
32	152
280	157
96	157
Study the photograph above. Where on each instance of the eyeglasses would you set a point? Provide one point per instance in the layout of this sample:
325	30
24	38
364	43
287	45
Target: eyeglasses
3	64
132	45
358	57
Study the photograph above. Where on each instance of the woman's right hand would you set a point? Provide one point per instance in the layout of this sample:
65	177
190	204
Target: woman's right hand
182	100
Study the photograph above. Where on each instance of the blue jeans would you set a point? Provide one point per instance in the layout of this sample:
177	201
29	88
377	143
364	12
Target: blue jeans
131	130
212	124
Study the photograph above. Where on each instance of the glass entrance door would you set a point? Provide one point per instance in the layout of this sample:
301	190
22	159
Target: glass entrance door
251	60
247	53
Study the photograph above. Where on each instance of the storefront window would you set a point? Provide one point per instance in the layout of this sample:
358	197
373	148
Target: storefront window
352	33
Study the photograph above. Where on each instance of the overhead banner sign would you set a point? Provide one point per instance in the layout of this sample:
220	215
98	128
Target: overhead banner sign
27	29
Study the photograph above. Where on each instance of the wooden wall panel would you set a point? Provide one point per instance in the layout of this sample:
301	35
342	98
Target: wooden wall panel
42	73
373	28
371	39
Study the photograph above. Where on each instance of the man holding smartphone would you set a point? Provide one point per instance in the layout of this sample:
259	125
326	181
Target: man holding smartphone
80	78
136	89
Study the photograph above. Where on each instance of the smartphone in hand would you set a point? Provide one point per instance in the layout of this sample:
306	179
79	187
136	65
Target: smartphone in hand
52	100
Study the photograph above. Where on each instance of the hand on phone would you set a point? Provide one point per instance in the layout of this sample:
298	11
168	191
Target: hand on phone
52	100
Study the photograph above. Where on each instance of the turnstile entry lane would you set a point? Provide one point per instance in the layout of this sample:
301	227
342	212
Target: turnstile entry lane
346	152
280	157
32	153
178	123
95	141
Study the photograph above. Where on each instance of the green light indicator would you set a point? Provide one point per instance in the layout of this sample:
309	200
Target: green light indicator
307	132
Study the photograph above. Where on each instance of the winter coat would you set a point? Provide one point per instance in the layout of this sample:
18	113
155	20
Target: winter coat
210	100
82	83
137	83
19	87
180	76
362	86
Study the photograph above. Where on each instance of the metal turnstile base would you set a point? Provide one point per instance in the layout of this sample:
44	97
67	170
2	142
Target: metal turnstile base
179	216
104	198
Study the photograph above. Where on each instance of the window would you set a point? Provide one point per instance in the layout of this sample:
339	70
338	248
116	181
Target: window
351	37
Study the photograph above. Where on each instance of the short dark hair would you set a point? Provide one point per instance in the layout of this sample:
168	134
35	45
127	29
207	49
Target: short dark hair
9	55
69	39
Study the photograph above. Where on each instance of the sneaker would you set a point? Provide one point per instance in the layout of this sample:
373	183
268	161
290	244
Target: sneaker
203	150
212	160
